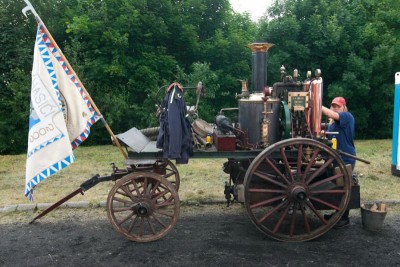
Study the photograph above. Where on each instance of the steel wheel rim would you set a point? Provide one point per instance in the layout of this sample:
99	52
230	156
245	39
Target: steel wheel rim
287	210
143	207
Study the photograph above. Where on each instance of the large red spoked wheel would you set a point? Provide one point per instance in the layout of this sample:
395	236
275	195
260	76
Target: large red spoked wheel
291	185
143	206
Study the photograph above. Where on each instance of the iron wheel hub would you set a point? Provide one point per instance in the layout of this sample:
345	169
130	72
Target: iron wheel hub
298	193
143	209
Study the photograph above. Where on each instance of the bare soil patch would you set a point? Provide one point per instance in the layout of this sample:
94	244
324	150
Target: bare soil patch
206	235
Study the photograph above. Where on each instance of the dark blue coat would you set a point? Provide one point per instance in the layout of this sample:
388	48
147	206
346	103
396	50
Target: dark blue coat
175	133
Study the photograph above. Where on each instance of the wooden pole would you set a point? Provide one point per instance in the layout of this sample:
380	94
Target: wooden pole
39	21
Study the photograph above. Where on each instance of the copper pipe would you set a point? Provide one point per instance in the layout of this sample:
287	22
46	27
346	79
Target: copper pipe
316	98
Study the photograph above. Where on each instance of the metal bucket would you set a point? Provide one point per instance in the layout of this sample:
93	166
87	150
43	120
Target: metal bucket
372	219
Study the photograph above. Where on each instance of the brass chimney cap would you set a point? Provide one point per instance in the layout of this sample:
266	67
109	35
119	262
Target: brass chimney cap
260	47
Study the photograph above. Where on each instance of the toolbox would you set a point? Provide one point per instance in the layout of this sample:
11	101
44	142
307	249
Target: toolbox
226	142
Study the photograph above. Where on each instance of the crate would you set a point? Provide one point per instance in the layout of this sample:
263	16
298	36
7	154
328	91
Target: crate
224	142
340	181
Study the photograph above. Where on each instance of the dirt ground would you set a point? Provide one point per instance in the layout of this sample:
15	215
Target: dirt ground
207	235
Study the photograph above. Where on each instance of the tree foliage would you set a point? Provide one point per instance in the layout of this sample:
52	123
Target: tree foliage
124	51
17	37
355	43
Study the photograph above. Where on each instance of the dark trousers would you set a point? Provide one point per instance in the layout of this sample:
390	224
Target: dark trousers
346	213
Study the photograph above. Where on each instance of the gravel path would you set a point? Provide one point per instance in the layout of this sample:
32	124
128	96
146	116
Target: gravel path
206	235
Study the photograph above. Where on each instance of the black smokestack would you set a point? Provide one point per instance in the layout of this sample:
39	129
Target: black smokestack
259	65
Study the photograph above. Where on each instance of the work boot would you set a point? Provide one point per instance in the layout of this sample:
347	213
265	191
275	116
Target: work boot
343	222
328	216
355	179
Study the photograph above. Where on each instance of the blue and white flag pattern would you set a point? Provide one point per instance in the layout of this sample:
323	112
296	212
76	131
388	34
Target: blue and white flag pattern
60	117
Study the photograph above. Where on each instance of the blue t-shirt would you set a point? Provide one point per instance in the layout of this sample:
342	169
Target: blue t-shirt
345	138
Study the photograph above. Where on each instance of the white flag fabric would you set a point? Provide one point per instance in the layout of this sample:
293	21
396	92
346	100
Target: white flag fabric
61	114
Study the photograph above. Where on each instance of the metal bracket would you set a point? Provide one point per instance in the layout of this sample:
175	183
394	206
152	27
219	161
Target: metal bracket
29	7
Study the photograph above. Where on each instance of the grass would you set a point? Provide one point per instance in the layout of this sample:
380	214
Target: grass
201	179
375	179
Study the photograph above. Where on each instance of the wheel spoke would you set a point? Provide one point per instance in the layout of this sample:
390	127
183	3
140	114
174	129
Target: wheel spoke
299	161
160	222
268	179
136	188
268	201
278	225
125	201
269	213
325	203
151	225
272	165
126	218
293	220
334	191
310	163
306	223
165	204
155	188
171	170
319	171
128	192
316	212
159	195
164	213
132	224
167	175
287	166
121	193
326	180
260	190
141	227
155	196
145	186
122	209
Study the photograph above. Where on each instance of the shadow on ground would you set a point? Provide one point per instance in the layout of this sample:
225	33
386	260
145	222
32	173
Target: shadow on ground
210	235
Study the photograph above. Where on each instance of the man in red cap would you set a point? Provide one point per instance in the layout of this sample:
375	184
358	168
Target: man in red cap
343	123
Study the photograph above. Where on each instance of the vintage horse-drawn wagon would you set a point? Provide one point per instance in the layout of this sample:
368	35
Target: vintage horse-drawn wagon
280	161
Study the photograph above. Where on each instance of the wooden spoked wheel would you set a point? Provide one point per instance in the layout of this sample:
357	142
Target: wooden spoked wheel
171	173
143	206
291	185
163	167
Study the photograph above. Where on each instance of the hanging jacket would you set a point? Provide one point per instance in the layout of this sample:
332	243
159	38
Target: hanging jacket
174	136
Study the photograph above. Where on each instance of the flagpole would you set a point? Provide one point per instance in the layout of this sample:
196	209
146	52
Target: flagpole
39	20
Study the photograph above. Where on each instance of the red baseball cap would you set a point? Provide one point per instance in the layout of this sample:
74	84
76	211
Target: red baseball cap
340	101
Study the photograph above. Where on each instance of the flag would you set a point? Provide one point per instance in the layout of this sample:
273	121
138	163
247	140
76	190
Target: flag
61	114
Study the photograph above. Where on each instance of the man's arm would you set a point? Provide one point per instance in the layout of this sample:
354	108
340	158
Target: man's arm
330	113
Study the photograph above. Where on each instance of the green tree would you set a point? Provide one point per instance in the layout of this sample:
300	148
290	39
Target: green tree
124	51
17	37
131	49
355	43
